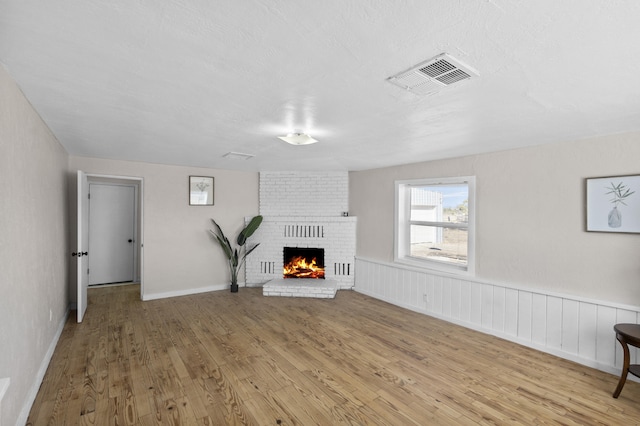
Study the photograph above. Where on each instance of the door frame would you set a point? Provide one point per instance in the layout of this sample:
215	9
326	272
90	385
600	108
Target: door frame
138	184
82	222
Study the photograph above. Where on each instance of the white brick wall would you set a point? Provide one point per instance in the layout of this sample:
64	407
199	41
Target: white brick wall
337	237
304	193
304	209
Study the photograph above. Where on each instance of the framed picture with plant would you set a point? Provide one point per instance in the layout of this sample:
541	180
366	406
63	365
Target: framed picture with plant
200	190
613	204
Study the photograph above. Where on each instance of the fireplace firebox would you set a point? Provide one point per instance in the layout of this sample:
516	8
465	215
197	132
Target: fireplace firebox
303	262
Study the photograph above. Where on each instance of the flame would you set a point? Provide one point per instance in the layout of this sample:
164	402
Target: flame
299	267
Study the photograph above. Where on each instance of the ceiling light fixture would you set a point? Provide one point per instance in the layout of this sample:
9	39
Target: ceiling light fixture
298	139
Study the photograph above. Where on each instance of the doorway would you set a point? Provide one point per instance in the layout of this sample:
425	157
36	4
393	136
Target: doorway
112	233
82	253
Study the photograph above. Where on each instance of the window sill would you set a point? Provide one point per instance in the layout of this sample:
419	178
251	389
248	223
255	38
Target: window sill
435	266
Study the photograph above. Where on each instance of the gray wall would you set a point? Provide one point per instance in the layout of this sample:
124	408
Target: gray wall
530	222
33	248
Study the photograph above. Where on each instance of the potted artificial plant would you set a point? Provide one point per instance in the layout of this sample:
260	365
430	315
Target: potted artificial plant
235	256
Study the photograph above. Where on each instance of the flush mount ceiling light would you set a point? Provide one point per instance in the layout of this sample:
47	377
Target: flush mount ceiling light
298	139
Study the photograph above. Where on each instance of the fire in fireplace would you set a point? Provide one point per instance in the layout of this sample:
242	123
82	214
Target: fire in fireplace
303	262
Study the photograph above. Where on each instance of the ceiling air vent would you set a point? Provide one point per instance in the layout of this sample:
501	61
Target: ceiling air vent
238	155
433	75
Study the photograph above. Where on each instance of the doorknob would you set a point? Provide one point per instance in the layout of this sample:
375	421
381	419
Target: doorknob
130	240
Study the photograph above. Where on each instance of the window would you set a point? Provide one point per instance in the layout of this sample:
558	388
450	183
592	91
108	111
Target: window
434	223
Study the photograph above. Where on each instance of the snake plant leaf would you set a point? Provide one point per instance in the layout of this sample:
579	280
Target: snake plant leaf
249	230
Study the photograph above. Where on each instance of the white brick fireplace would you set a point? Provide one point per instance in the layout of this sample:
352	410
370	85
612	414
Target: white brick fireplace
303	209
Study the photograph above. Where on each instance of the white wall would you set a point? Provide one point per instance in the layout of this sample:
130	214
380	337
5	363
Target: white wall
540	280
33	249
179	255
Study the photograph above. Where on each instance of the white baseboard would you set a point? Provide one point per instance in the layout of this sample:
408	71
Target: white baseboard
186	292
33	392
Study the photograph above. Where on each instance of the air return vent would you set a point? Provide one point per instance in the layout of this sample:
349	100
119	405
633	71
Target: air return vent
433	75
238	155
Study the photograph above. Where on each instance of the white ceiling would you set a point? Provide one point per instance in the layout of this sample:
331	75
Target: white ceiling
186	81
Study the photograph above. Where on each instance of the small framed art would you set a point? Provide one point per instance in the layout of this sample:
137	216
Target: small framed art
200	191
613	204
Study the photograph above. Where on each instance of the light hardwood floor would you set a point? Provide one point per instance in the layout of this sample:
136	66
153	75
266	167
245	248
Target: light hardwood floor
221	358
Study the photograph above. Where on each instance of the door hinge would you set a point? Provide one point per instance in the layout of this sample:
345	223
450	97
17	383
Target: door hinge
87	271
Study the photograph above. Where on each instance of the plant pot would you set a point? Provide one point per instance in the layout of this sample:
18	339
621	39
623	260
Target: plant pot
234	288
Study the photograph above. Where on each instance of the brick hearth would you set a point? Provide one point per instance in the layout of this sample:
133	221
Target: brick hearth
301	287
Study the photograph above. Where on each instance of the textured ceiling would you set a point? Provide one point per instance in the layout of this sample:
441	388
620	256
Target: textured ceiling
185	82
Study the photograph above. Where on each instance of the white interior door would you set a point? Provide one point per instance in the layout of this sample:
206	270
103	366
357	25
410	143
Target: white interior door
82	243
111	233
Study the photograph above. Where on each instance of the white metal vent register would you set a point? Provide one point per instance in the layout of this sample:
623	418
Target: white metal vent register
433	75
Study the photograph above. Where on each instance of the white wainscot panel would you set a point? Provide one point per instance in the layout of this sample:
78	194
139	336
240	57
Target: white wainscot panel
511	312
539	319
499	308
445	289
525	313
606	341
570	311
571	327
476	303
587	328
465	301
554	323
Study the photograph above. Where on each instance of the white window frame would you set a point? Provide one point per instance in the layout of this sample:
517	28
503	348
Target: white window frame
403	225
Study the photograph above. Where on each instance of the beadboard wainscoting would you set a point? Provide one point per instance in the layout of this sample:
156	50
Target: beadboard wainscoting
573	328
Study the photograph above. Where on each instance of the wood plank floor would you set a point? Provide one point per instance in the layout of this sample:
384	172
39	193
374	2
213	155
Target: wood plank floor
221	358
